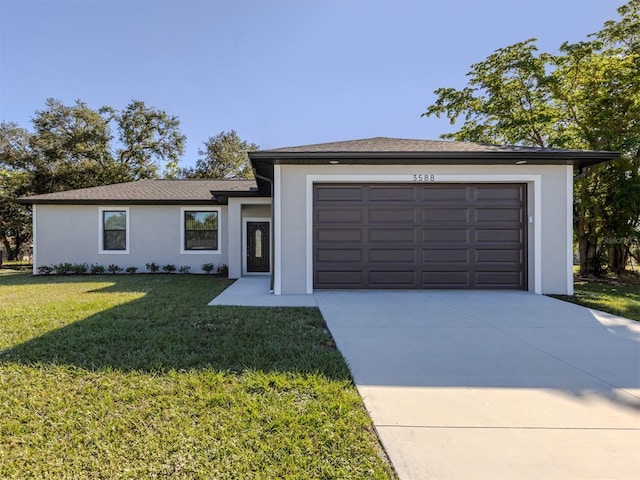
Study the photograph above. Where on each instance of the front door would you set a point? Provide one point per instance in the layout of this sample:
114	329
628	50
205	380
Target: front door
258	246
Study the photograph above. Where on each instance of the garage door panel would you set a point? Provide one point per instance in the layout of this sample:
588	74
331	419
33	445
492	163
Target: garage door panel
449	215
498	279
392	255
499	256
500	193
392	235
392	193
439	193
496	235
499	215
341	193
343	279
419	236
382	278
339	215
446	235
445	279
445	255
339	235
392	215
339	255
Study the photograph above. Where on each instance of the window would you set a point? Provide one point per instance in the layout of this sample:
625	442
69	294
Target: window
200	230
114	227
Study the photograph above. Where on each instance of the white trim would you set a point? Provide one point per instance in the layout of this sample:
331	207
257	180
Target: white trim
276	262
34	239
530	179
569	230
115	208
197	208
245	221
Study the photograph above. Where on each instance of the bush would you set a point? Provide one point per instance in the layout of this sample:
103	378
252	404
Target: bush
131	269
222	270
45	270
207	267
79	268
97	269
63	268
184	269
169	268
153	267
114	269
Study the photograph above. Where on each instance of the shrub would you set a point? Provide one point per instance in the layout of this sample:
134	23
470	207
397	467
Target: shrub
184	269
114	268
207	267
79	268
63	268
45	270
97	269
153	267
131	269
222	269
169	268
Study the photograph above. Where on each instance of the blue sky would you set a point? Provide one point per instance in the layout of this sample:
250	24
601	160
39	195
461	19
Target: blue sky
279	73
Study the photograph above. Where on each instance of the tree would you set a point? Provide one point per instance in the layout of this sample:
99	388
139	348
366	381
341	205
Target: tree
224	157
148	137
15	220
73	147
588	97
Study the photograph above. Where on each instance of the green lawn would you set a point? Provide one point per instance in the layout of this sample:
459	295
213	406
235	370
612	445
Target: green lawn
135	377
618	297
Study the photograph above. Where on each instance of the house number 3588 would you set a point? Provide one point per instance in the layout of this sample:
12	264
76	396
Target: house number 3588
424	178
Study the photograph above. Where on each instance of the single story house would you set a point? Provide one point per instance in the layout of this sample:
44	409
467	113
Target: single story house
379	213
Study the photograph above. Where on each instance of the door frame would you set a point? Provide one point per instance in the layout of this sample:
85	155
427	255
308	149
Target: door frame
245	221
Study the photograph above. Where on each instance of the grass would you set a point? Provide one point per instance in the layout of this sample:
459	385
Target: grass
620	296
133	376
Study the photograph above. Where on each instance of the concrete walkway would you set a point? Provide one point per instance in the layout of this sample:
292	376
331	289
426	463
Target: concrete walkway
254	292
486	385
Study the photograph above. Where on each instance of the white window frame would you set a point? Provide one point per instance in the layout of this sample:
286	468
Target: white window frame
196	208
114	208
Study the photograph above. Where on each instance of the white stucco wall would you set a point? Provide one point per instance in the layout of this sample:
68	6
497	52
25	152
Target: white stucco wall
549	233
69	233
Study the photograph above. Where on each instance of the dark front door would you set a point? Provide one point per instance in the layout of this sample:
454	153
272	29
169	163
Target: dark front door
258	246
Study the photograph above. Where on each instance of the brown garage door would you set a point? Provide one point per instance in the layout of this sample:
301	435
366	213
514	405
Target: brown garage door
419	236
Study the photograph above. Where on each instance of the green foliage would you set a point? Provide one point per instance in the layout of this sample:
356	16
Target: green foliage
45	270
63	268
97	269
79	268
148	137
72	146
224	157
135	376
207	267
585	97
131	269
169	268
112	268
184	269
153	267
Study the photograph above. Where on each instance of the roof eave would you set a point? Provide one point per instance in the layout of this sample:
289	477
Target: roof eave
113	201
576	158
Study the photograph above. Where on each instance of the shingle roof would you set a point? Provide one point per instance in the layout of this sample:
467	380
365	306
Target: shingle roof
147	192
389	145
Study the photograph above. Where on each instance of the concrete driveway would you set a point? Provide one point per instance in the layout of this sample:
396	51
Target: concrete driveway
493	385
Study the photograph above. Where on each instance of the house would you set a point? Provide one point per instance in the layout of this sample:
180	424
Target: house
379	213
